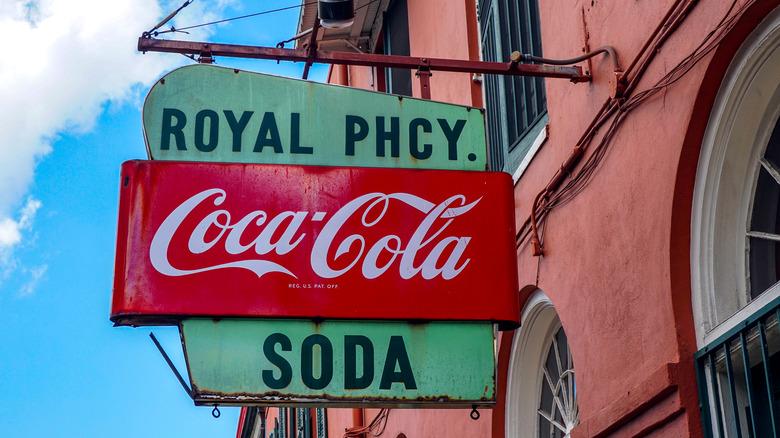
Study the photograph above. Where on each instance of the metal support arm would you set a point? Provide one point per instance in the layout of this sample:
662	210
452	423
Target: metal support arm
573	73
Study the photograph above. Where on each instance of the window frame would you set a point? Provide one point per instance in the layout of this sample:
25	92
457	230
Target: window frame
730	324
530	346
512	127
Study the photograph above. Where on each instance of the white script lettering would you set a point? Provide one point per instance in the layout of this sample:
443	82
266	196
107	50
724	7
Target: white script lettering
374	207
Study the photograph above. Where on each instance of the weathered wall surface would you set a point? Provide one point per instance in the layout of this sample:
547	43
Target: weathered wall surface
616	256
616	264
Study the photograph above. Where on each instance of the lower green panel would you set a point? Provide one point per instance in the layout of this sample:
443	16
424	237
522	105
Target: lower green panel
340	363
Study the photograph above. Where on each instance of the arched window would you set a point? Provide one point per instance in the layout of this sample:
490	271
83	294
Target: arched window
541	390
735	244
734	223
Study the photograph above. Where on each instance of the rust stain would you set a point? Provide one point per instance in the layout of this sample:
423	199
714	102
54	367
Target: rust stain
205	396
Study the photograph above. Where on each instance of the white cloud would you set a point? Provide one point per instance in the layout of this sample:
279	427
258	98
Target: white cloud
36	274
11	235
11	230
62	61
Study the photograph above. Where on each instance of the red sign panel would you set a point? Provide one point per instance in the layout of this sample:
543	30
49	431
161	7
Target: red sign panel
248	240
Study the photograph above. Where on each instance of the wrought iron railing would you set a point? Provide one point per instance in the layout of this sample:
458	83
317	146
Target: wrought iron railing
738	376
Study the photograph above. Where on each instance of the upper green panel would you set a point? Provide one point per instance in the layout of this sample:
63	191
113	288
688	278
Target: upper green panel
208	113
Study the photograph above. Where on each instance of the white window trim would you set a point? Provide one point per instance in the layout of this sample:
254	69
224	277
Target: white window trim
742	119
538	323
538	141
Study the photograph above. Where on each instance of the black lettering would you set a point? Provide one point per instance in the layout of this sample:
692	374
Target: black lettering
284	367
307	361
396	354
168	129
414	149
237	127
351	380
352	135
394	135
213	130
268	135
295	136
452	135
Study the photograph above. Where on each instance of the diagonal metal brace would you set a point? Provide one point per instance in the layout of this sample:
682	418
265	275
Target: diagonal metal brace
173	368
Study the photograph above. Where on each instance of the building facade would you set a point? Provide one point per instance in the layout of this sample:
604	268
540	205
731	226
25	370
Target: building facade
646	203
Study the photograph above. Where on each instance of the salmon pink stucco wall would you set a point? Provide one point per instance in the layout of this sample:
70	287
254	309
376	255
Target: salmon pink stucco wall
356	77
615	265
414	422
434	423
616	261
432	34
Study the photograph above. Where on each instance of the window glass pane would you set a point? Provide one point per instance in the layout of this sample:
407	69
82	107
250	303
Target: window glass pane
563	349
493	121
773	147
764	228
523	24
552	365
545	405
765	204
541	95
516	104
399	80
763	265
544	427
529	92
558	412
535	28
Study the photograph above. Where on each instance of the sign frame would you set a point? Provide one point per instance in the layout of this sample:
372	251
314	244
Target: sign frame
477	251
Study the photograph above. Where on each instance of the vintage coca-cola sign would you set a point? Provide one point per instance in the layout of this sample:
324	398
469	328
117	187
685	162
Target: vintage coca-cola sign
248	240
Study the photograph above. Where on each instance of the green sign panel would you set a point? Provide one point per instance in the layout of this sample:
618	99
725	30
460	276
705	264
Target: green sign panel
340	363
215	114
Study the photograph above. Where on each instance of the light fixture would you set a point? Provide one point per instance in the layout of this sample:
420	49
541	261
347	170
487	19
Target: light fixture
336	14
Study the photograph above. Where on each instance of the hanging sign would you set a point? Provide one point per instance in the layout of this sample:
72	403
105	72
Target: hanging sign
214	114
220	240
340	363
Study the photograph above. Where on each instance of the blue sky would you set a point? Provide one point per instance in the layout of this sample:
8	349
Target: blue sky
71	90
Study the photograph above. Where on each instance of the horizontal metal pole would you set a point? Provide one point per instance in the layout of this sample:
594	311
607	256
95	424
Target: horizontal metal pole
371	60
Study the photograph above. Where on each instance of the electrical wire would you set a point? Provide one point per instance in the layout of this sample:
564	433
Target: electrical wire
618	109
606	49
376	428
182	29
367	5
281	44
271	11
167	19
709	43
